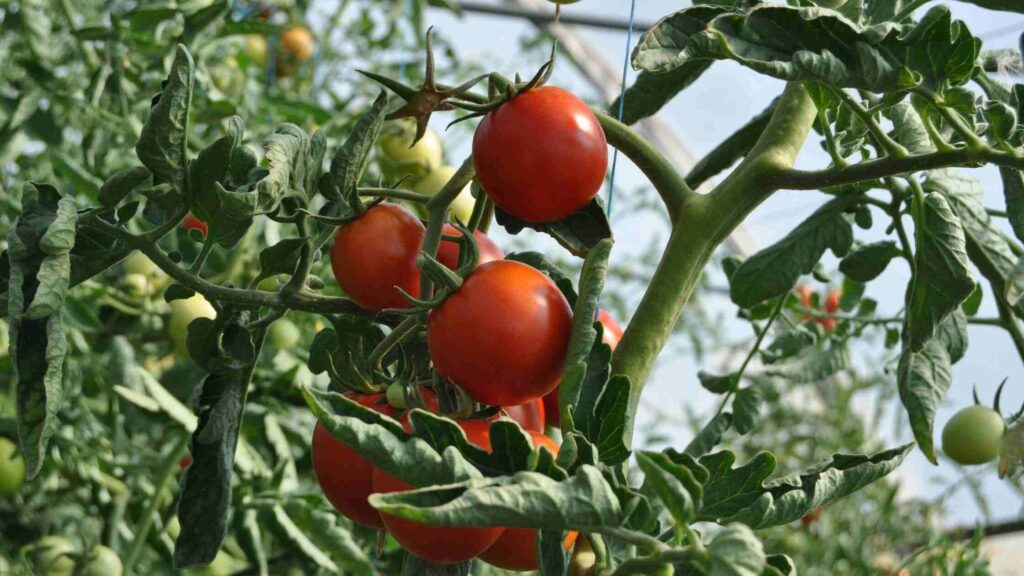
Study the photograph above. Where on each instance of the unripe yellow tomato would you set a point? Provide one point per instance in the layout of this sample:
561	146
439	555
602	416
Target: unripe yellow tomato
183	312
462	208
396	145
256	47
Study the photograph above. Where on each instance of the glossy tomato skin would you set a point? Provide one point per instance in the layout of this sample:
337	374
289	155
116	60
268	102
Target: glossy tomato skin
973	435
530	416
448	250
439	544
345	477
516	549
611	335
542	155
377	252
502	335
298	42
191	222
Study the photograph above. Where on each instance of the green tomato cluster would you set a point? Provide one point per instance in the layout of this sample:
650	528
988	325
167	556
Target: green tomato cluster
56	556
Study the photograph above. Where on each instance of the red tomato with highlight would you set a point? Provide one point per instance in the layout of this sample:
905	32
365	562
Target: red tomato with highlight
502	335
805	291
345	477
439	544
829	324
376	253
516	549
611	335
191	222
448	251
542	155
530	415
832	301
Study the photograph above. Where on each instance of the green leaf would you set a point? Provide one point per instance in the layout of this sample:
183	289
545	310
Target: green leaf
735	551
525	500
731	149
787	345
1013	190
775	270
227	214
651	91
709	436
281	258
780	565
287	154
43	233
551	553
942	279
674	484
205	501
298	539
973	302
717	384
1004	5
350	160
745	494
746	407
820	44
987	248
814	366
118	186
923	378
952	333
342	352
867	262
578	232
163	144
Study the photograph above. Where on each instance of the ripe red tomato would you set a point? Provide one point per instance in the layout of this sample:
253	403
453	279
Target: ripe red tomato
439	544
345	477
805	291
530	415
448	251
829	324
611	336
376	253
542	155
516	549
503	334
832	301
193	222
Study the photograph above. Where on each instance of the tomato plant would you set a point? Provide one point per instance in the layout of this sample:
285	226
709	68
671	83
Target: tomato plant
237	400
503	363
558	172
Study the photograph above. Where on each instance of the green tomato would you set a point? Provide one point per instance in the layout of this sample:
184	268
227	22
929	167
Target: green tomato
223	565
102	561
173	528
284	334
12	468
50	556
136	285
139	263
972	435
183	312
424	154
396	396
462	208
5	338
269	284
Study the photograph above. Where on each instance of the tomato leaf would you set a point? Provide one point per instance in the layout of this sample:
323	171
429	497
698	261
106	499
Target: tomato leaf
40	243
299	540
867	262
525	500
814	366
746	407
709	436
717	384
281	258
650	91
1004	5
578	232
227	214
924	377
942	280
287	153
775	270
350	160
342	352
1013	190
731	149
745	494
736	551
163	144
551	554
674	485
206	485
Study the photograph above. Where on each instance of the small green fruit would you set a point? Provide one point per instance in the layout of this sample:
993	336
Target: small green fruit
183	312
102	561
50	556
462	208
972	435
12	468
284	334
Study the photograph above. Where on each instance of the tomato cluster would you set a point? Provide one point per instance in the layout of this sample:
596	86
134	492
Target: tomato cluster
830	305
514	365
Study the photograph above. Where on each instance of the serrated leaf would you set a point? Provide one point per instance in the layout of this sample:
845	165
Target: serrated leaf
281	258
1013	191
672	483
717	384
775	270
350	160
745	494
163	144
524	500
746	408
298	539
813	366
709	436
867	262
651	91
226	214
287	155
942	279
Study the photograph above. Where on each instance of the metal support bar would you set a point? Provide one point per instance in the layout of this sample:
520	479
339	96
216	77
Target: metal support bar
545	16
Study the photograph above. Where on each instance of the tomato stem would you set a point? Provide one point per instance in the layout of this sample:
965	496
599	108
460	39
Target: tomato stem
437	210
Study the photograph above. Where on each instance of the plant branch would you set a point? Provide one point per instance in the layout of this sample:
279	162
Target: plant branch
750	355
395	337
672	188
892	147
889	166
437	209
394	194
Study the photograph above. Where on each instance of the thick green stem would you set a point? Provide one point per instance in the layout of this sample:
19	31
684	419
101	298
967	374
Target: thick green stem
704	222
437	208
672	188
